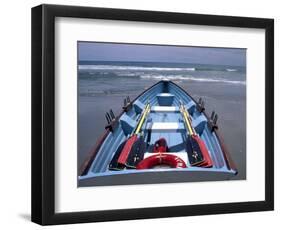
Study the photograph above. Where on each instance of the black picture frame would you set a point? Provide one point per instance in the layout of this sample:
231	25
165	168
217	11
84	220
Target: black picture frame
43	114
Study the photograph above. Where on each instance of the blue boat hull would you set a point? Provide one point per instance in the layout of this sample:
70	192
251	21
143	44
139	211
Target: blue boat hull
164	121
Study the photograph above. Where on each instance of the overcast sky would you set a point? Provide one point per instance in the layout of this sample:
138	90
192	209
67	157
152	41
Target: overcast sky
93	51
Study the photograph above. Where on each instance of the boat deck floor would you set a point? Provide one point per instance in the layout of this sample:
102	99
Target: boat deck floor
166	125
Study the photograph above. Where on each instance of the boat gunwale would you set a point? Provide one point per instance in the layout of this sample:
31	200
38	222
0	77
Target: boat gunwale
85	166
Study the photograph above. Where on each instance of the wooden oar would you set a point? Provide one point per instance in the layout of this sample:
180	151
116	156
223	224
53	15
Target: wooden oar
134	145
197	151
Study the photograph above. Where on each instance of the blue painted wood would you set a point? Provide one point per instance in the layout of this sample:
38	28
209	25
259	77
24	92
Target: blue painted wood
165	99
164	93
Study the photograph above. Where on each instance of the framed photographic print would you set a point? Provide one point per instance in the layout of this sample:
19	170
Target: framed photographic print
142	114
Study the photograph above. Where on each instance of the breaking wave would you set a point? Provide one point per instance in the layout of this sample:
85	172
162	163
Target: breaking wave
145	68
231	70
191	78
138	68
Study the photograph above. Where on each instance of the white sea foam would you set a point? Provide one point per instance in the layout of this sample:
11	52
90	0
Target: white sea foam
128	74
138	68
191	78
231	70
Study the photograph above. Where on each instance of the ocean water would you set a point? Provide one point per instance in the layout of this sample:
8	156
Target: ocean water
104	85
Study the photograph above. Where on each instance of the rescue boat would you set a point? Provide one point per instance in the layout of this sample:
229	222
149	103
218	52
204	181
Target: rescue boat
161	136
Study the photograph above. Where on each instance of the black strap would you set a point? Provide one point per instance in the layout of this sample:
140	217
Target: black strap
194	153
137	153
